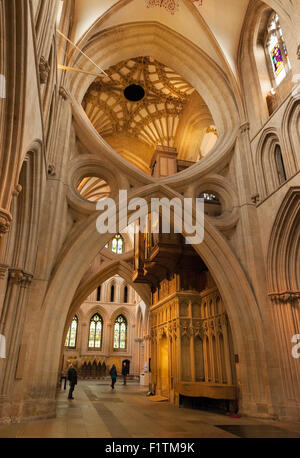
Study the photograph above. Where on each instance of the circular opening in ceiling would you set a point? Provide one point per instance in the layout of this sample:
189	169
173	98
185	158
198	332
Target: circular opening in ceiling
134	93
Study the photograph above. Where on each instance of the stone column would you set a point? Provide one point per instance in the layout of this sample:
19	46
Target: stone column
3	283
147	355
11	325
227	350
286	318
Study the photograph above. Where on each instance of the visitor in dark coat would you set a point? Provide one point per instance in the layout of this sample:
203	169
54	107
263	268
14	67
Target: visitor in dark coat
72	377
113	374
125	371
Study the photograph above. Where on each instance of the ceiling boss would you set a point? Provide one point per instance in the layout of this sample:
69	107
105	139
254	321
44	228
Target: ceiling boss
170	5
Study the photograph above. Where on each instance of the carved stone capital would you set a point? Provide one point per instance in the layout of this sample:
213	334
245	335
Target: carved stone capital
184	329
63	93
27	280
17	276
245	127
163	331
285	297
51	170
3	270
5	222
17	190
255	198
44	69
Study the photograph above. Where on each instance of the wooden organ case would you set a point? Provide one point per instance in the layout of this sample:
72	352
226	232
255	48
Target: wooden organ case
191	345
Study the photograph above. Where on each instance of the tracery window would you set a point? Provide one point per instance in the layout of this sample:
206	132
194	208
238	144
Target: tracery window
117	244
120	333
72	334
277	50
96	331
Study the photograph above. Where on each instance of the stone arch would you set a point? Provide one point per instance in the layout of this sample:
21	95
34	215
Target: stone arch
283	275
102	47
123	269
167	46
98	309
13	32
291	133
252	58
241	305
21	251
122	311
284	247
267	173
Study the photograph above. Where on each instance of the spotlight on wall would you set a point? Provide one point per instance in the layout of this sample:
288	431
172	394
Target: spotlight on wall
272	101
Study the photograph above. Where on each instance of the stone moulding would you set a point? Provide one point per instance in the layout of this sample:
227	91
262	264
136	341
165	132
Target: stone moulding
285	297
3	270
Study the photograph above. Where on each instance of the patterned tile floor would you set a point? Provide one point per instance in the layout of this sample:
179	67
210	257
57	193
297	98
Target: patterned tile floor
99	412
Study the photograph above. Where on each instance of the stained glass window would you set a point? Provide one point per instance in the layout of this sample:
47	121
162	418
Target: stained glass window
95	333
117	244
277	50
120	333
72	334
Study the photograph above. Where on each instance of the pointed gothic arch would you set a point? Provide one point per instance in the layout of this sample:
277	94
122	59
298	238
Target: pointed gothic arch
284	248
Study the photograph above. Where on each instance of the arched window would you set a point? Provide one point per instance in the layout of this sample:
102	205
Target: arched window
117	245
99	293
280	165
96	331
112	293
126	294
276	50
120	333
72	334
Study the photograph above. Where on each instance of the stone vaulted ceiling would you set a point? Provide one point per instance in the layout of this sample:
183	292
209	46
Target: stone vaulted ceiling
164	116
199	22
154	119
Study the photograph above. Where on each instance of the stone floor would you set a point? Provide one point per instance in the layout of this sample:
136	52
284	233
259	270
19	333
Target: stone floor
99	412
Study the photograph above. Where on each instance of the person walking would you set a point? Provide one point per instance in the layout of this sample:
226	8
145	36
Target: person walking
125	371
72	377
113	374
